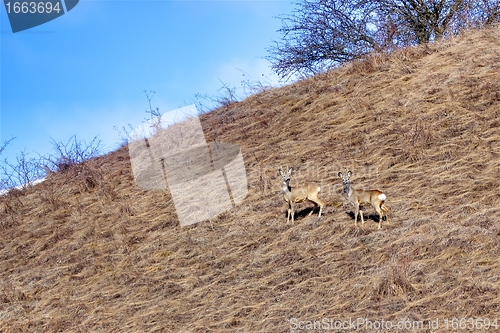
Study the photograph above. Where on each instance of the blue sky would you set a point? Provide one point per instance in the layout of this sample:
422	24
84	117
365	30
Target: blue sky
84	73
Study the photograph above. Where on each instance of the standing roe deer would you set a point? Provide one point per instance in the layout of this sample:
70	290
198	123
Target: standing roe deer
299	194
359	197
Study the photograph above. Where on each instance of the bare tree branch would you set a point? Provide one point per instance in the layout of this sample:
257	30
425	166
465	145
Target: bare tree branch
5	144
321	34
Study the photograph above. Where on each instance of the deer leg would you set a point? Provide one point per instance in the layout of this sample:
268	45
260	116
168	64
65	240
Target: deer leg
356	212
314	208
312	211
319	203
362	219
288	215
314	199
386	211
380	214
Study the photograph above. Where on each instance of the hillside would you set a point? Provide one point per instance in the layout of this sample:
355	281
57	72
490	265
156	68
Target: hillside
88	250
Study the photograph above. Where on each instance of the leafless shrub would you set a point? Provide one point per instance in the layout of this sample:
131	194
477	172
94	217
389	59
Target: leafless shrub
124	134
14	179
227	97
253	87
67	155
155	114
22	173
73	159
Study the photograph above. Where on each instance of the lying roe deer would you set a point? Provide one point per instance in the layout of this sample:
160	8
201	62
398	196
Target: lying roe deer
359	197
299	194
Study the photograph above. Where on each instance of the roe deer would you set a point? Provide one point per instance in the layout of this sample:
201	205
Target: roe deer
299	194
359	197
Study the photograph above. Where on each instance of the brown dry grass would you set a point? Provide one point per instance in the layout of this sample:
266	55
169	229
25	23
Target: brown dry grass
89	251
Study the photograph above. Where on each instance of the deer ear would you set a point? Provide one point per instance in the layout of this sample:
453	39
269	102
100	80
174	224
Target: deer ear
341	176
281	171
349	174
289	171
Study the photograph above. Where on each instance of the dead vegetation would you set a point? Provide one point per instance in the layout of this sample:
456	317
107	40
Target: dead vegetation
87	250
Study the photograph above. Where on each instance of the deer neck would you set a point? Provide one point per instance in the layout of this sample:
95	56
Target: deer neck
286	186
347	189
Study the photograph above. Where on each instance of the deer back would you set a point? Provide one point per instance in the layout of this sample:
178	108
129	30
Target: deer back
301	193
367	197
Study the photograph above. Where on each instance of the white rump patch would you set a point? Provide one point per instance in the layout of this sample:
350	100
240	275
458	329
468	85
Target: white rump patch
382	196
319	188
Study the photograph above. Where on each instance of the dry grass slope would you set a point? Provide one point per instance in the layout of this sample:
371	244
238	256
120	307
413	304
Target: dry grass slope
89	251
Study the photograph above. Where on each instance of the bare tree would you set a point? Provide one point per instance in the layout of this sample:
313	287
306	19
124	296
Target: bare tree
483	12
420	21
321	34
